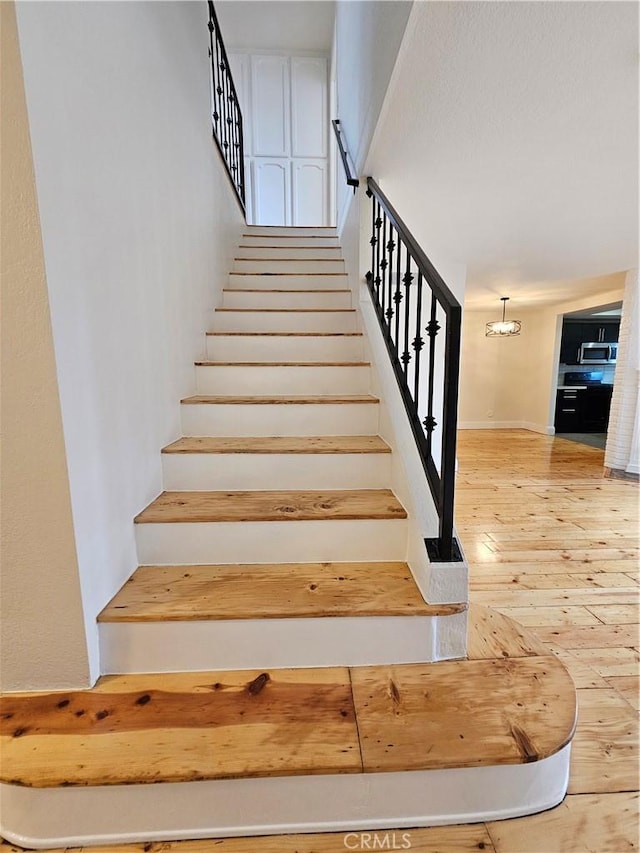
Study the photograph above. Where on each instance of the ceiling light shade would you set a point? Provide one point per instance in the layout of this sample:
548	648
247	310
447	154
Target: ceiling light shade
503	328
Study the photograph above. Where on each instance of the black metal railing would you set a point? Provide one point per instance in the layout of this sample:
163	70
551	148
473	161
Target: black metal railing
226	114
411	299
352	180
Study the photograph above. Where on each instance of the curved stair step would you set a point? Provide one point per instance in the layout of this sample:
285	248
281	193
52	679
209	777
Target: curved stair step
268	751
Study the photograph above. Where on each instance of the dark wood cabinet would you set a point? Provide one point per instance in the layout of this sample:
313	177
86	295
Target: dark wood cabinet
576	332
611	332
567	411
583	409
571	340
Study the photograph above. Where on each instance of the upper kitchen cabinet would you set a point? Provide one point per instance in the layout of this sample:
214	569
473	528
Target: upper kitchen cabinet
576	332
571	340
285	106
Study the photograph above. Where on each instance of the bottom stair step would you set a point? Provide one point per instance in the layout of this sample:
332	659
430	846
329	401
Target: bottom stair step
263	752
199	617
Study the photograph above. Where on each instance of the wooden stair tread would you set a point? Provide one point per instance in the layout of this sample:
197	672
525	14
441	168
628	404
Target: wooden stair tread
209	363
290	260
284	290
462	713
279	444
182	727
219	725
270	591
305	273
177	507
287	334
289	310
329	399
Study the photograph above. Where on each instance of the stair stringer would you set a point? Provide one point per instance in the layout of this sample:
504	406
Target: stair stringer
439	583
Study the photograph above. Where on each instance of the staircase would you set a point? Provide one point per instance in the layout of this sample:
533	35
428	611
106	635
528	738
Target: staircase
272	665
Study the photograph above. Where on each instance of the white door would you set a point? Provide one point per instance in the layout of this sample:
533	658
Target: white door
285	111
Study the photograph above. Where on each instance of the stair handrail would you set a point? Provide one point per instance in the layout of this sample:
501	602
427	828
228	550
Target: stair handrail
387	296
226	114
352	180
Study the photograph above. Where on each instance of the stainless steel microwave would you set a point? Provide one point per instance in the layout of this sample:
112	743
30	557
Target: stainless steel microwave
598	353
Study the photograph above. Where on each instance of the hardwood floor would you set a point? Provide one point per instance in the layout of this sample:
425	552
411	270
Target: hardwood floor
552	544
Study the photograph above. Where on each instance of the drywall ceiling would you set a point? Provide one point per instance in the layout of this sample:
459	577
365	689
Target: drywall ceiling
509	139
290	25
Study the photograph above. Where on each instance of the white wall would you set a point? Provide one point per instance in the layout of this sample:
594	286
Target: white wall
42	634
508	141
366	43
139	222
623	438
368	35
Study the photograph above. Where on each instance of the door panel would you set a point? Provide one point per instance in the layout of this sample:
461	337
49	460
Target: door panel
308	107
272	191
309	192
270	119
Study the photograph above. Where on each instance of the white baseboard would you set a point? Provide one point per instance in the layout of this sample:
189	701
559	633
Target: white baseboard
168	811
545	430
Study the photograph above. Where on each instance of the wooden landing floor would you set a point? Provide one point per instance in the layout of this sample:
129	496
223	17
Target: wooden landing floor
270	591
516	708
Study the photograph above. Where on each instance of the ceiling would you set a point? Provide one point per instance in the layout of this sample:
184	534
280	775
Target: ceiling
292	25
511	139
612	312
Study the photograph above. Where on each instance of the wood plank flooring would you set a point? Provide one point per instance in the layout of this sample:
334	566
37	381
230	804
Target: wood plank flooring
180	507
531	468
553	544
270	591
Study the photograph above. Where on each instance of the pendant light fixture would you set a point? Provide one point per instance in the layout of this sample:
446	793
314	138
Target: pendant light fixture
503	328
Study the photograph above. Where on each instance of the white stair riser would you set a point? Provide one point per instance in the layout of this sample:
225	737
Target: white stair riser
284	348
305	252
285	242
289	419
285	321
275	266
289	231
255	471
346	803
271	541
266	379
232	644
292	281
279	299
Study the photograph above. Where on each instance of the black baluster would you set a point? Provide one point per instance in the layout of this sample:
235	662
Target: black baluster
378	226
432	328
386	284
212	50
406	355
224	106
217	87
418	342
242	178
372	241
396	301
